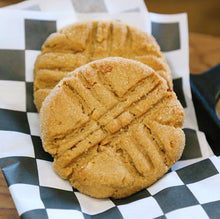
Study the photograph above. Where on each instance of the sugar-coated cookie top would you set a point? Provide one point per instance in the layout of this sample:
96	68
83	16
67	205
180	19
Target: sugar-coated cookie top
83	42
113	127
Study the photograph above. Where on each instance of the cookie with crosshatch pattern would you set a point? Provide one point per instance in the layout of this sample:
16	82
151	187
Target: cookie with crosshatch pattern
113	127
83	42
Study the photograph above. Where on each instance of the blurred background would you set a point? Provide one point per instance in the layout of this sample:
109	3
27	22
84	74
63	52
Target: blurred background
203	15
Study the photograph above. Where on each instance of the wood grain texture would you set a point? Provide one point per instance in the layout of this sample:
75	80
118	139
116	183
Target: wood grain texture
203	16
7	207
8	2
204	52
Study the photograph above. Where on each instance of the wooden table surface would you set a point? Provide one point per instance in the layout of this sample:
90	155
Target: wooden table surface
204	54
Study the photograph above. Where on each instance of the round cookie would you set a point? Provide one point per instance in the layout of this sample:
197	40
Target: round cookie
113	127
84	42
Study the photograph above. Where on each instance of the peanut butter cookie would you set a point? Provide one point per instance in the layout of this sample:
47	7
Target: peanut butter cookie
81	43
113	127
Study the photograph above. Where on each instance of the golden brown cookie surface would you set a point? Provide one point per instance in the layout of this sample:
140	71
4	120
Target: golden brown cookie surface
113	127
81	43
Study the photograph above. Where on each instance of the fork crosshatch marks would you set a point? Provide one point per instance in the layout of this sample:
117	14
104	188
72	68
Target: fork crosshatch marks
14	122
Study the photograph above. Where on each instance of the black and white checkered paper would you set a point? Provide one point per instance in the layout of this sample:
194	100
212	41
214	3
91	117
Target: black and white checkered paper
191	187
